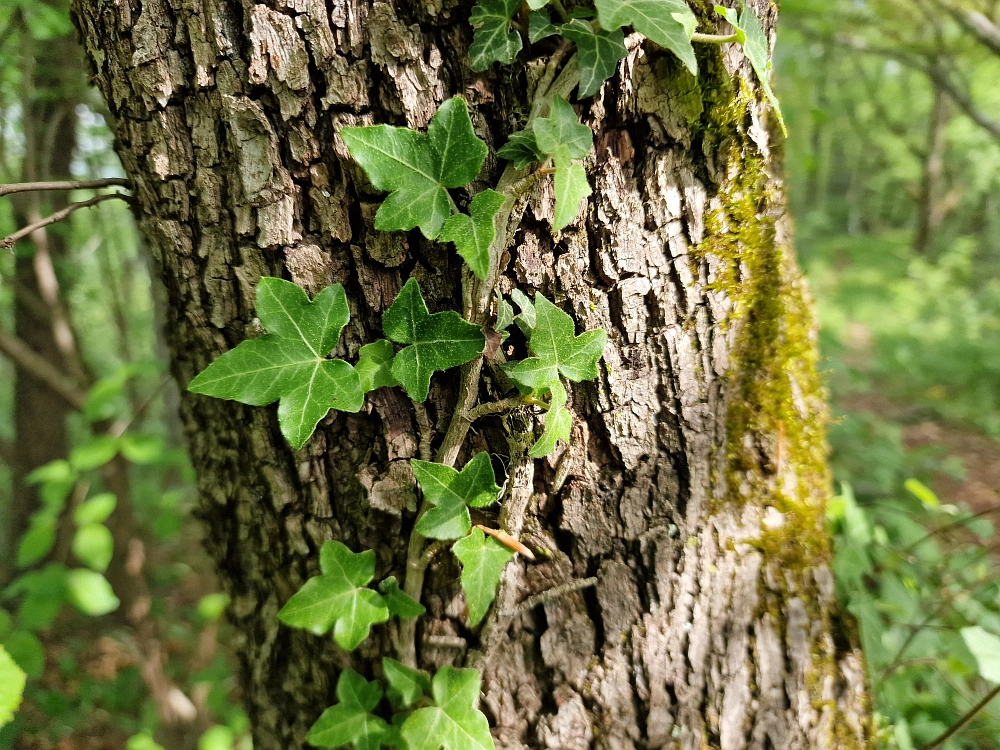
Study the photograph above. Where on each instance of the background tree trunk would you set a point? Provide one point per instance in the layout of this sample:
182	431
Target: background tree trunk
695	482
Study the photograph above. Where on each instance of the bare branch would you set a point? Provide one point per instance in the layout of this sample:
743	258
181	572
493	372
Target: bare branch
36	187
960	724
25	358
8	242
982	28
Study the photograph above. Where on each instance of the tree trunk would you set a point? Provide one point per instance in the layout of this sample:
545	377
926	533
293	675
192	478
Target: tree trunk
694	485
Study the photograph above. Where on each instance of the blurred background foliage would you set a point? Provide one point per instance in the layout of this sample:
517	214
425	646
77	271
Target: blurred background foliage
893	163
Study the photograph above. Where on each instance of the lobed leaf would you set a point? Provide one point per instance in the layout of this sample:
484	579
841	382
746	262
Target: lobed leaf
558	423
483	559
540	26
454	722
561	136
521	149
493	40
406	686
669	23
452	492
597	52
374	365
398	601
474	234
350	721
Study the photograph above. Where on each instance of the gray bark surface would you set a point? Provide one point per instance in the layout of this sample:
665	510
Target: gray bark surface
713	622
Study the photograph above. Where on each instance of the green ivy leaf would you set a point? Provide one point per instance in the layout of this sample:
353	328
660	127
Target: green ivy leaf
398	601
93	545
90	592
505	314
750	34
571	187
338	598
374	365
289	363
669	23
537	4
406	686
985	646
96	509
558	423
540	26
558	351
350	721
493	40
561	136
12	681
598	53
454	722
521	149
437	342
452	492
526	318
416	169
474	234
483	560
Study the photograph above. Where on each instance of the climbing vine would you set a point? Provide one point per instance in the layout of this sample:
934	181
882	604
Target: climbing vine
291	363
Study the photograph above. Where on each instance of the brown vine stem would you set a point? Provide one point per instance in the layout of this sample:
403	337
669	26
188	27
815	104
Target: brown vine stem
8	242
37	187
30	361
960	724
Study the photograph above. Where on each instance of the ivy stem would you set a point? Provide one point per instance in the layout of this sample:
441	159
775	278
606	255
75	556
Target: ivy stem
545	83
560	9
458	428
496	407
713	38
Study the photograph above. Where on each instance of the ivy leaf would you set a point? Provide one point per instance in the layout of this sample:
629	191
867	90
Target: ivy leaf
561	134
483	559
454	722
526	319
521	149
12	680
505	314
571	187
398	601
598	53
452	492
289	363
406	686
493	40
374	365
537	4
558	351
474	234
350	721
338	598
750	34
558	423
669	23
416	169
540	26
438	341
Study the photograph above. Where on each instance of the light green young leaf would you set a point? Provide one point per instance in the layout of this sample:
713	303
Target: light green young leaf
57	479
374	365
923	493
521	149
483	559
540	26
452	492
39	539
561	134
669	23
406	686
493	40
93	453
985	646
90	592
571	187
454	722
93	545
350	721
558	350
338	598
27	651
289	363
416	169
219	737
12	680
474	234
398	601
95	510
142	741
558	422
437	342
537	4
598	53
750	34
141	449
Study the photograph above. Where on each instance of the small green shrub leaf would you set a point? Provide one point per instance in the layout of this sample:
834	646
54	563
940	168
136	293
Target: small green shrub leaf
406	686
398	601
985	646
38	540
338	598
12	680
93	545
44	594
416	169
350	721
454	722
436	342
452	492
473	234
483	559
95	510
27	651
493	40
374	365
93	453
598	53
669	23
90	592
289	363
142	449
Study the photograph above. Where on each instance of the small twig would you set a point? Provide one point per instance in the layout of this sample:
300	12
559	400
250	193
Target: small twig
507	541
34	187
713	38
8	242
960	724
496	407
426	430
38	366
551	594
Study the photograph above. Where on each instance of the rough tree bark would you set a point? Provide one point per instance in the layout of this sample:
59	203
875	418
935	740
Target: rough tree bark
694	485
